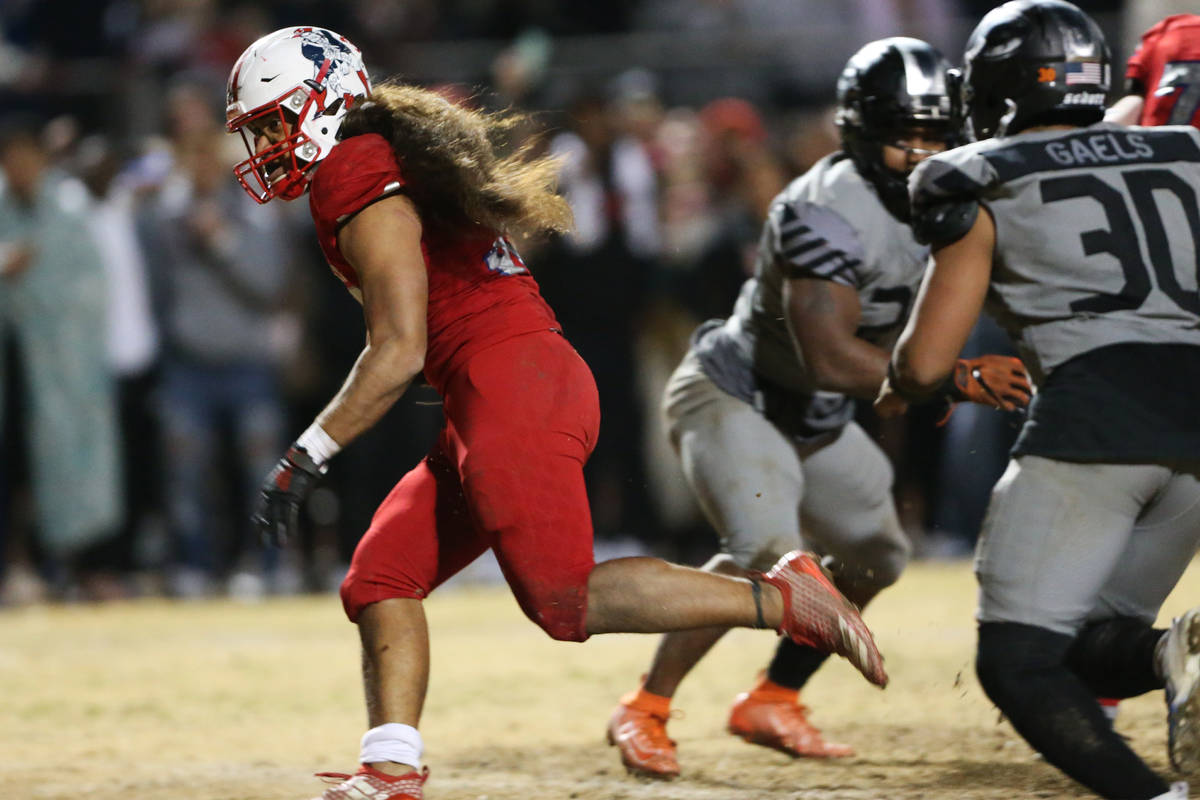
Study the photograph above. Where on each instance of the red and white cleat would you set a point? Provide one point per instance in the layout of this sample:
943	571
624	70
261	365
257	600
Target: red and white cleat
816	614
371	784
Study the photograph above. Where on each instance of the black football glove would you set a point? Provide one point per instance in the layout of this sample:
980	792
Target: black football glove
277	511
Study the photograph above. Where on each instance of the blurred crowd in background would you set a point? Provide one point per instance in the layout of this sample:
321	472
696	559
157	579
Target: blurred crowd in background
162	337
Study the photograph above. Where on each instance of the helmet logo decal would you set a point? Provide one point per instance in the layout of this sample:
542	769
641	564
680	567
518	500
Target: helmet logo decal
1082	72
1077	44
998	49
1083	99
321	48
922	78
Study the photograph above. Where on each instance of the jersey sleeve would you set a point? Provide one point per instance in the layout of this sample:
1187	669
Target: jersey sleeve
945	191
814	241
357	172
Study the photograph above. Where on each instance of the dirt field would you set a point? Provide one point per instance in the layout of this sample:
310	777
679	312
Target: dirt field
219	701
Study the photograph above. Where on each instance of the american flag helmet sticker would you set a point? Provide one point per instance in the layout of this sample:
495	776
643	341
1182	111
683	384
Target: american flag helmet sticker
1088	72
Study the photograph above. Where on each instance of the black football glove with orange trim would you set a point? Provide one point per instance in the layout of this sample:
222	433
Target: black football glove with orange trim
997	381
277	511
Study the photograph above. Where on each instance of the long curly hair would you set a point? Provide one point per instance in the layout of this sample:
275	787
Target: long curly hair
454	173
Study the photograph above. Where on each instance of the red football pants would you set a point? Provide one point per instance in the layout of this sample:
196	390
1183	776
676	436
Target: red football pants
506	473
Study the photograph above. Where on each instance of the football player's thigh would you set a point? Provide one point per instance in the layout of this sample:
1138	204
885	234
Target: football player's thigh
523	415
1163	543
421	534
745	475
1054	533
848	509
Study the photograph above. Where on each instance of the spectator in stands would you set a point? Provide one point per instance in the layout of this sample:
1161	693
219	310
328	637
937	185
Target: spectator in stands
133	350
222	269
596	279
53	301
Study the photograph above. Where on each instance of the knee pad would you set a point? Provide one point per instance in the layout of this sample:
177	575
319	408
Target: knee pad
1023	670
1010	657
561	612
554	600
876	565
889	557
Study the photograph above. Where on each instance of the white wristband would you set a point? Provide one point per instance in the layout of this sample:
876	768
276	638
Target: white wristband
319	445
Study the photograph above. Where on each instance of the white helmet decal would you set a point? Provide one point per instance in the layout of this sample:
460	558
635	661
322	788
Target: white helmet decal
321	47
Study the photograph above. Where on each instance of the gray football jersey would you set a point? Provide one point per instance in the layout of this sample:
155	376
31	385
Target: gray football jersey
1097	233
828	223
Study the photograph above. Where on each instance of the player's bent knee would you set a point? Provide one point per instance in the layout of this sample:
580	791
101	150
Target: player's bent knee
1010	655
874	566
359	590
893	558
557	604
564	619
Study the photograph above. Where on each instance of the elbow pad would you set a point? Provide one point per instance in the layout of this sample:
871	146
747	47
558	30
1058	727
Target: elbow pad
944	223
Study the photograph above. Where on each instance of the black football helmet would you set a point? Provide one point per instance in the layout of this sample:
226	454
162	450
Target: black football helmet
1034	62
886	90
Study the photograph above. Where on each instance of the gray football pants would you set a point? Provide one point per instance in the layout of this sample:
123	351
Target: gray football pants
1067	543
765	495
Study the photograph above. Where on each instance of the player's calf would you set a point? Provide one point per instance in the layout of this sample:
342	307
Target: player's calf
1023	670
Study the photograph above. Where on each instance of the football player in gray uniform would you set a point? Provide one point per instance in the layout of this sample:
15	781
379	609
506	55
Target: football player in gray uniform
1081	237
760	411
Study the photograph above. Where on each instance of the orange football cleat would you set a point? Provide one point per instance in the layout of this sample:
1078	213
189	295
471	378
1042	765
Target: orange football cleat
816	614
640	734
369	782
771	715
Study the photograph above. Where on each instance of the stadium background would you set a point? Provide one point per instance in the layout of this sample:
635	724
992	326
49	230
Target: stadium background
684	119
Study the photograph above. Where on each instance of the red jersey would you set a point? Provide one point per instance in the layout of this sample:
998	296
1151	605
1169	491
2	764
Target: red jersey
1167	64
480	292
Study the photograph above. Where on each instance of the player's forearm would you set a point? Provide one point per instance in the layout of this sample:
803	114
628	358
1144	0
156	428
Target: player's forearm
947	308
856	369
919	371
379	377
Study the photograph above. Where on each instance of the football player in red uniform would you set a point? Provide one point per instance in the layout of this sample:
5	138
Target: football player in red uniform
1162	78
1162	81
412	206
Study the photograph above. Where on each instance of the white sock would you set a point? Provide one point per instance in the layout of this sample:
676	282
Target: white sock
1178	791
392	742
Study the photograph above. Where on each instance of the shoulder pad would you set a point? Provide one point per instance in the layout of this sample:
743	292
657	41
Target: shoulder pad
944	192
944	223
815	241
355	174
